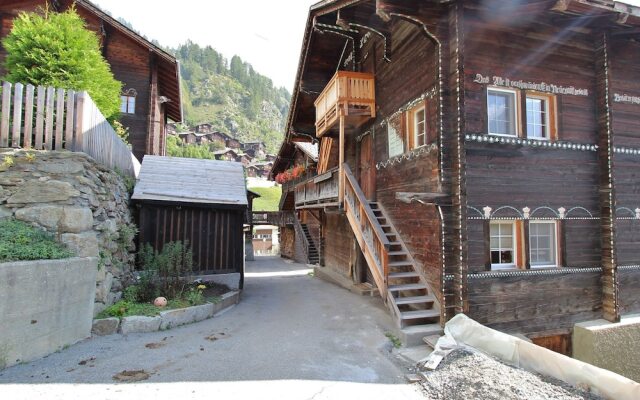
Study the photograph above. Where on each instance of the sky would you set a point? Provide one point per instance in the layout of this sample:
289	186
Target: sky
267	34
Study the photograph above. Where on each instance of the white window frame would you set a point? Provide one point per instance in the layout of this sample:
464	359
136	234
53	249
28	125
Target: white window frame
547	119
416	134
514	237
555	250
392	131
516	113
127	104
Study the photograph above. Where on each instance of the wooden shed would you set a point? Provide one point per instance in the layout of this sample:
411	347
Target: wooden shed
203	202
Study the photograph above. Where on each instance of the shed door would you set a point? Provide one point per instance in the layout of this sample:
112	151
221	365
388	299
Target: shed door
366	167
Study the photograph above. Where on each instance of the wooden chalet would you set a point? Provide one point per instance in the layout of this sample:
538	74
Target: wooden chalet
256	149
233	143
203	202
226	155
151	91
475	157
188	137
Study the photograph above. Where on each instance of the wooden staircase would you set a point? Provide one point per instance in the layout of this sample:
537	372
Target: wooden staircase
313	256
414	307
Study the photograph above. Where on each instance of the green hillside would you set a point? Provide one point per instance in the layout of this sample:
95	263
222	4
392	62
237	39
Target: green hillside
231	95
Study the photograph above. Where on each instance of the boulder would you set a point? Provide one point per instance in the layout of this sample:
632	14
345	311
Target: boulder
68	219
36	191
61	168
106	326
104	288
82	244
5	212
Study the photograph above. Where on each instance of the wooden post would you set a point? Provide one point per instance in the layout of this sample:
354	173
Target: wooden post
28	116
79	136
17	116
39	129
341	160
6	107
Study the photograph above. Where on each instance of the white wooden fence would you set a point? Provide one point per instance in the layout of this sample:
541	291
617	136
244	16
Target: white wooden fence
45	118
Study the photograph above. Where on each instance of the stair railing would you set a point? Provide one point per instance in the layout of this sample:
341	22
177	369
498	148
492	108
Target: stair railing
372	239
300	234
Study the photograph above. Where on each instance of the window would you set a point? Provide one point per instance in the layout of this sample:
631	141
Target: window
502	112
419	127
128	102
503	248
542	243
537	118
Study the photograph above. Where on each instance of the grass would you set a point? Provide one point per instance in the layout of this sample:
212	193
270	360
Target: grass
269	199
125	308
394	340
20	241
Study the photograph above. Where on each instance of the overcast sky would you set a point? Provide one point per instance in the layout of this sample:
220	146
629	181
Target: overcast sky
266	33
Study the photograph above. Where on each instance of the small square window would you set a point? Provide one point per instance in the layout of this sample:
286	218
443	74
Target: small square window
537	117
127	104
395	137
502	112
503	245
420	127
542	244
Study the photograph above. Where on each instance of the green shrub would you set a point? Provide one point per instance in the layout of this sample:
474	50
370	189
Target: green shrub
164	273
20	241
56	49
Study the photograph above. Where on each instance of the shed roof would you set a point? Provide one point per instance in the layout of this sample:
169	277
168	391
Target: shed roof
310	149
190	180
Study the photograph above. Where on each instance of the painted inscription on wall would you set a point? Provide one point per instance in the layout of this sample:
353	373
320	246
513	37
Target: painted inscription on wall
624	98
520	84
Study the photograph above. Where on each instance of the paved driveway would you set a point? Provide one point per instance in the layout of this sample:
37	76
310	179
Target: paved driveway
291	337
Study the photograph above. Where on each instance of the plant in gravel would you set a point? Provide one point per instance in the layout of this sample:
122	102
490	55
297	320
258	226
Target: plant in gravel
394	340
8	161
194	295
166	271
126	234
30	157
21	241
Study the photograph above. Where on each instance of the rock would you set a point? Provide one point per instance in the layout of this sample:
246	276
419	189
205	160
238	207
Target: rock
103	289
11	181
102	273
5	212
43	192
181	316
107	226
65	167
106	326
98	308
66	219
82	244
139	324
113	298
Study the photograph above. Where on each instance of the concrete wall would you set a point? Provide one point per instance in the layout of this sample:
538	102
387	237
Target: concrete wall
45	305
615	347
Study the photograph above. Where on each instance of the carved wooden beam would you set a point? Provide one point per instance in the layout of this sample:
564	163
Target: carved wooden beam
561	5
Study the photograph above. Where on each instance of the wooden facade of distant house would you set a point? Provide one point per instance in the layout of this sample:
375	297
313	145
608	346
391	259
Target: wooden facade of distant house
233	143
226	155
270	157
176	206
479	160
203	128
188	137
151	91
252	171
245	159
263	240
219	137
256	149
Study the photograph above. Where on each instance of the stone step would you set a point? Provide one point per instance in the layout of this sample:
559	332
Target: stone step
407	286
413	335
414	300
419	314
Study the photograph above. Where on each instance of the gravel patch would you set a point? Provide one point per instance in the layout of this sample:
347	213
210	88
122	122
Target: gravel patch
464	374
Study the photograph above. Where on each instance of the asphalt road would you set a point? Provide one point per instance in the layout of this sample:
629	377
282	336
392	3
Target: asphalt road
292	336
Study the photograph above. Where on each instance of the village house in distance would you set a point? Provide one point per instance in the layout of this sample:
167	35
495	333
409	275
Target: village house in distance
151	91
252	155
475	157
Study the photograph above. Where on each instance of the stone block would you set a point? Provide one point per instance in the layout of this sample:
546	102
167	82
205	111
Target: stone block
43	192
104	288
60	168
83	244
5	212
98	308
139	324
182	316
106	326
67	219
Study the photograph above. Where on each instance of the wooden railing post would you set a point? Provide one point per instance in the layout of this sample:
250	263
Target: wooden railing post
80	126
341	161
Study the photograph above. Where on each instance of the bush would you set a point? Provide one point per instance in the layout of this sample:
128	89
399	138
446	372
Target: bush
20	241
56	49
164	273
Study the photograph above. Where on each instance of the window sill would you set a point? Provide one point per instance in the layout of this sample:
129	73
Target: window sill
514	268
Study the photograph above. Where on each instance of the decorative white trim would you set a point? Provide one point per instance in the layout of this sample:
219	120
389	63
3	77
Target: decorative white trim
499	139
407	156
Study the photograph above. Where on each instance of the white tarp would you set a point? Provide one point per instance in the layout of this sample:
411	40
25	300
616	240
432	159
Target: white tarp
462	330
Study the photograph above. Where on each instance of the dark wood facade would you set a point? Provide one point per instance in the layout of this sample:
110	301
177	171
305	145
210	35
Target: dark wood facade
147	72
580	57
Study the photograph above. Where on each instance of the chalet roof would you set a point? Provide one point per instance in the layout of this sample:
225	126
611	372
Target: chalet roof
190	180
259	142
168	65
310	149
225	151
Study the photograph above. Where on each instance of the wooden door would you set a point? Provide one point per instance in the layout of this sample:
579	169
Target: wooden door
367	168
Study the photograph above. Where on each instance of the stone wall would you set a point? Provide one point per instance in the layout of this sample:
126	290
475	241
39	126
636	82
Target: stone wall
85	204
45	305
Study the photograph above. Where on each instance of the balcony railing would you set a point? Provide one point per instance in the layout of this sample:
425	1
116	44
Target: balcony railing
352	92
319	191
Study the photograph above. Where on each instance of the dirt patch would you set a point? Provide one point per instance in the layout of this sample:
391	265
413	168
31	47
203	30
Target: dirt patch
215	289
131	376
87	361
154	345
215	336
472	375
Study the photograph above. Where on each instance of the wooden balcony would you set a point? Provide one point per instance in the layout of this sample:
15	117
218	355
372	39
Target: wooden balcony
350	93
319	191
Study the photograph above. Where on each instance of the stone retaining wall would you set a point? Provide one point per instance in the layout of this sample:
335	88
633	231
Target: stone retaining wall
85	204
45	305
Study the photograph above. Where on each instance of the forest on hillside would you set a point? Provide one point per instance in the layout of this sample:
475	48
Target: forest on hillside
231	95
